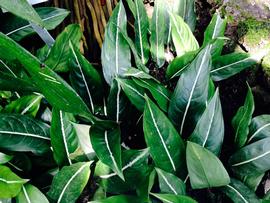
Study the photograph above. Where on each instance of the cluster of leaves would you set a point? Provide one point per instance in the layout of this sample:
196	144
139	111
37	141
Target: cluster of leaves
62	134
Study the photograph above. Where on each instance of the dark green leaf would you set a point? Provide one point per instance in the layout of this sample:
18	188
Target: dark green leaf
238	192
107	145
168	198
59	55
253	180
203	166
10	183
166	146
209	131
63	137
115	55
23	133
22	9
191	92
30	193
259	128
69	183
242	120
118	199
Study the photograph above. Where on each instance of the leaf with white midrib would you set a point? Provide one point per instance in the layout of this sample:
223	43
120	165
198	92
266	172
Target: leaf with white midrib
237	192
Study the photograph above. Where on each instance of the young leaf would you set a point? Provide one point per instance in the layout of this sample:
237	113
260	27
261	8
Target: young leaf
183	39
133	92
141	31
157	33
26	105
259	128
191	92
209	131
238	192
178	65
107	145
58	93
69	182
10	183
115	54
228	65
17	28
4	158
24	134
215	29
166	146
186	9
169	183
22	9
84	78
253	158
242	120
30	193
63	137
119	198
203	166
59	55
168	198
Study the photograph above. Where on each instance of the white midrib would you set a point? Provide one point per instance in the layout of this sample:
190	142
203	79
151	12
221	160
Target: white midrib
118	102
209	127
26	26
69	181
26	195
160	92
191	93
161	138
215	28
135	90
157	31
84	80
6	66
253	159
140	31
30	105
25	134
117	39
12	181
259	130
238	193
109	149
167	182
64	136
232	64
130	164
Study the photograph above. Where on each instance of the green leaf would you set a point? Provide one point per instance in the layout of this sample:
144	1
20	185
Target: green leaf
169	183
17	28
186	9
59	55
157	33
117	102
242	120
160	93
191	92
238	192
215	29
22	9
228	65
168	198
10	183
63	137
259	128
251	159
107	144
58	93
209	131
30	193
119	198
115	54
178	65
253	180
24	134
183	39
69	183
84	78
4	158
141	31
203	166
134	92
135	170
26	105
165	144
